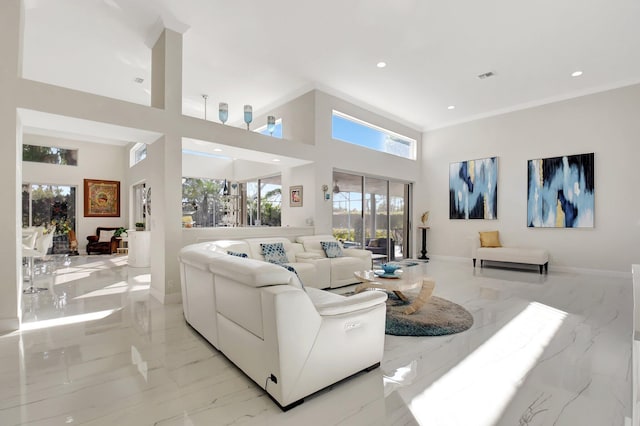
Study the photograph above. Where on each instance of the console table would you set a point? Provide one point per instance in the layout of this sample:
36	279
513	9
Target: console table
424	242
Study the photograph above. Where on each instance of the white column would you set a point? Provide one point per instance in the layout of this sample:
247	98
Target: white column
165	181
166	72
11	18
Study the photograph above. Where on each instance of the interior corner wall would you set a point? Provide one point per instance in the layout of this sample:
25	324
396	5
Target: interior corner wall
297	118
95	161
605	123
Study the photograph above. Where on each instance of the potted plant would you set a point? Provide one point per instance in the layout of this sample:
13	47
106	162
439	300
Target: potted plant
139	226
118	232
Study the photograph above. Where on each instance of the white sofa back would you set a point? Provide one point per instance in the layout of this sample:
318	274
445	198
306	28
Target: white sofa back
311	243
289	247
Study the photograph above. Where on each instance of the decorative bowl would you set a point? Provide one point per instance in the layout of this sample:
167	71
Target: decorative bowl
389	268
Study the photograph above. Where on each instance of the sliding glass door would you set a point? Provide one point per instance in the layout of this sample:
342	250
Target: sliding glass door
372	213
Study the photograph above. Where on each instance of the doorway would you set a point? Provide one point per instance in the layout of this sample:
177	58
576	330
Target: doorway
372	213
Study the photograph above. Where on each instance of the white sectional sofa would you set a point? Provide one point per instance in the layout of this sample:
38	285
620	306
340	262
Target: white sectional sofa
341	268
532	256
291	341
308	259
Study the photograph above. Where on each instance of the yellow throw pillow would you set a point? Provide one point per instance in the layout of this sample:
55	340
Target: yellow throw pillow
490	239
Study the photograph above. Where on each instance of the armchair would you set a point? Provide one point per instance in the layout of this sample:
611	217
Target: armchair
103	242
379	246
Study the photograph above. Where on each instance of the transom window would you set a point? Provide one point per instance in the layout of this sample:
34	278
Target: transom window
50	155
137	154
358	132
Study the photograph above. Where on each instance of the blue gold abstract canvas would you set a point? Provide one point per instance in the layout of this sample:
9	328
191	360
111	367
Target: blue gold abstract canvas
473	189
560	192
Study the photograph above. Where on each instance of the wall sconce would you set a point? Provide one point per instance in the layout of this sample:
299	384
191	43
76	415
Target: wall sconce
325	188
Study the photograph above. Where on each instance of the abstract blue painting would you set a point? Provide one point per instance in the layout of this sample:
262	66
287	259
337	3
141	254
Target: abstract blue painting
560	192
473	189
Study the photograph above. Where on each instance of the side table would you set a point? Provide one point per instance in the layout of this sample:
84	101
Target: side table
123	246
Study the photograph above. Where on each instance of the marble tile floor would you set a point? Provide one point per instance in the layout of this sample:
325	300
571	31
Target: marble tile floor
97	349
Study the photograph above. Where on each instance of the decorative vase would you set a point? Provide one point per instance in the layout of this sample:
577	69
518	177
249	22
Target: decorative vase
424	218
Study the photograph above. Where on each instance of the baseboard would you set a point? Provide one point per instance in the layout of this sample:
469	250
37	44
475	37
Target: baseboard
451	258
166	299
552	268
587	271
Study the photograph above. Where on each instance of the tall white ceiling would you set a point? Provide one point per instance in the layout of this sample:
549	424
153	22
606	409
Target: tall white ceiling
263	52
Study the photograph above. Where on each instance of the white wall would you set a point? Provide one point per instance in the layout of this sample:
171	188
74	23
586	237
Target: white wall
302	215
198	166
95	161
297	118
333	154
605	123
244	170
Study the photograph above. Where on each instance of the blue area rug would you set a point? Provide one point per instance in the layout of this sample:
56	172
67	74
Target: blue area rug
437	317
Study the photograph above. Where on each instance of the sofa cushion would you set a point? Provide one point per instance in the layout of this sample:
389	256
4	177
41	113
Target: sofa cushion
311	243
490	239
332	249
514	254
251	272
274	252
105	236
342	269
224	246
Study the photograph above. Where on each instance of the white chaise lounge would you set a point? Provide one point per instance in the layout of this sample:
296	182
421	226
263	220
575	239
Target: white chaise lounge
488	247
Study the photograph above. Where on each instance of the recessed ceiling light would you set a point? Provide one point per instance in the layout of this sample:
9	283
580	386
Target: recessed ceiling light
381	64
576	74
451	107
276	160
217	150
139	80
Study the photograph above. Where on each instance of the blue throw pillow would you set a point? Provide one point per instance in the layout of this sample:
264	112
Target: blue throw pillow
274	253
332	249
237	253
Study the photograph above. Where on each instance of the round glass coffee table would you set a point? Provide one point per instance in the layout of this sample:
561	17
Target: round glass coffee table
397	284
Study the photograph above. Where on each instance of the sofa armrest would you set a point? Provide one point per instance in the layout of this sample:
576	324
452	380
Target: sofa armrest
359	253
92	238
357	302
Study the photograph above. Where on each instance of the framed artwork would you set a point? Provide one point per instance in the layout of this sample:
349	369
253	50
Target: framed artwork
560	192
295	196
473	189
101	198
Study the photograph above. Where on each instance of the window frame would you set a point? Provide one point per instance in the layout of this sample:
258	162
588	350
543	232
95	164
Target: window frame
394	136
138	147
